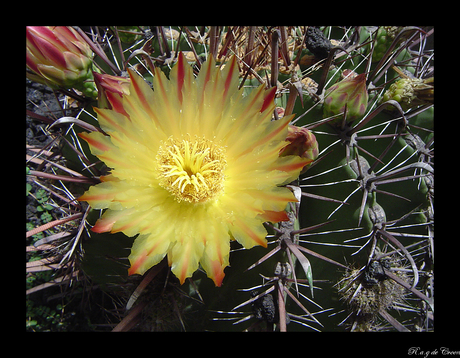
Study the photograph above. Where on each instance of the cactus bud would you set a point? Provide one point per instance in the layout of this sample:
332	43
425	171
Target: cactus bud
350	94
60	58
409	92
302	143
384	38
109	85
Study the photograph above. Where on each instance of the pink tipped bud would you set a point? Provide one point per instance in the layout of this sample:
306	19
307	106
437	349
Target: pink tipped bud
302	143
58	57
350	94
110	90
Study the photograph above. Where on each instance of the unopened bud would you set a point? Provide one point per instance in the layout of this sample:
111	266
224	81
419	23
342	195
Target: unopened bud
302	143
60	58
350	94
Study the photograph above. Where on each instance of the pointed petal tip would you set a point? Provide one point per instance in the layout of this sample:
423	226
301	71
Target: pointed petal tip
181	73
131	73
275	216
218	280
216	272
232	74
136	265
103	225
99	229
182	276
268	99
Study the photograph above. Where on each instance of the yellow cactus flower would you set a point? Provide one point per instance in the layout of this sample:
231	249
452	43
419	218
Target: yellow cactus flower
195	164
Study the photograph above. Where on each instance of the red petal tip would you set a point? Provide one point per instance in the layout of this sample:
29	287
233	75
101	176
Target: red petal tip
269	98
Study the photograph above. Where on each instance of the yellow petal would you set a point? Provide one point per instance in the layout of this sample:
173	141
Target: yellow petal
108	219
217	251
100	196
184	257
249	232
147	251
98	142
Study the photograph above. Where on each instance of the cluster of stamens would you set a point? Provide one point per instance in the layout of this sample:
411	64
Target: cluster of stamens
192	170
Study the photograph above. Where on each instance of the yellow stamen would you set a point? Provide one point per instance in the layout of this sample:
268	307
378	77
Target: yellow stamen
192	170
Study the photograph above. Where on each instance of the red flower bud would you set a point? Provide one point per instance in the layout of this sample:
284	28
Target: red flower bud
302	143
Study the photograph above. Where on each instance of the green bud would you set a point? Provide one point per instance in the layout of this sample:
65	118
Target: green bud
409	92
350	94
384	38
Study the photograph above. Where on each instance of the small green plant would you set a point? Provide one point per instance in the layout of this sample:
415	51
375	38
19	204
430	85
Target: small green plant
45	318
43	207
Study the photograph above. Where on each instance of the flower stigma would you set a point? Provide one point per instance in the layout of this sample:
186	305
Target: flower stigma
191	170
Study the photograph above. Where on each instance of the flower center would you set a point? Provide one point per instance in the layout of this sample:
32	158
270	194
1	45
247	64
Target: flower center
192	170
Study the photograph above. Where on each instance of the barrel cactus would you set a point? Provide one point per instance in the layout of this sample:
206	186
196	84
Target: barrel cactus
271	187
